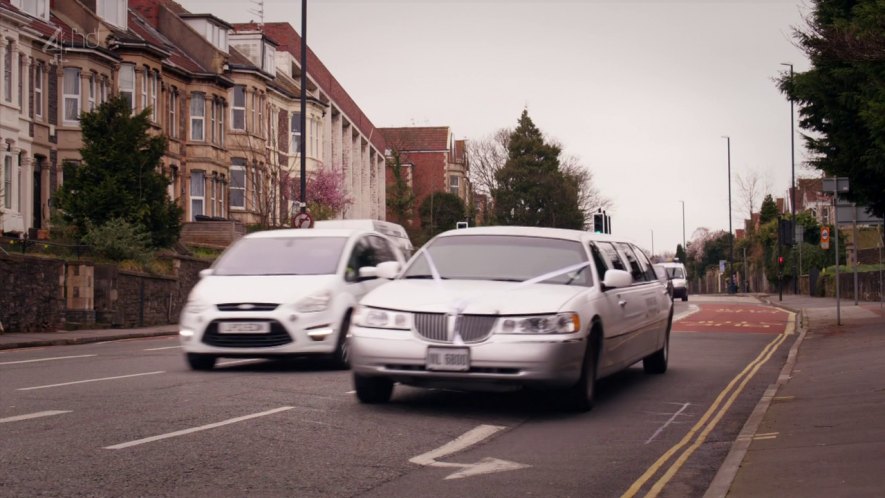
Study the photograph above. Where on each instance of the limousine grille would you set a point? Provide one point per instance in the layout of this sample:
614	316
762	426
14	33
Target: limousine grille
435	327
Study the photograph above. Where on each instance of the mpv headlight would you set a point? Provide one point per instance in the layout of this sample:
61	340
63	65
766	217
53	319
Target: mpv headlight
382	319
560	323
195	307
315	303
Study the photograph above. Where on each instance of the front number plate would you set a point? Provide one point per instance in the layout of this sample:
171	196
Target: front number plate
243	327
448	359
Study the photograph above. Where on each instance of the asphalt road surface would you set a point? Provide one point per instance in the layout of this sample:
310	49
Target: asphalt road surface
128	418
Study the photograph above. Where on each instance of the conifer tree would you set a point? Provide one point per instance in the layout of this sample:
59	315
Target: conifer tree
531	189
120	177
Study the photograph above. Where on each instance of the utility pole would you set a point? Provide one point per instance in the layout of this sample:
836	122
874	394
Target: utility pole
793	184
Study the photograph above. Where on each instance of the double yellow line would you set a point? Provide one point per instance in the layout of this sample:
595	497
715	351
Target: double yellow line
703	427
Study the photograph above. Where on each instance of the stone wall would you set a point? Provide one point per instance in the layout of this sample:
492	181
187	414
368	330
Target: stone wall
32	293
41	294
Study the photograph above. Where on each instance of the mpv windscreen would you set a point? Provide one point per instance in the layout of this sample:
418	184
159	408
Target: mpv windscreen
675	272
282	256
500	257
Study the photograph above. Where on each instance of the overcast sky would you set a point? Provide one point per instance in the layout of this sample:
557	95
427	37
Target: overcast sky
641	91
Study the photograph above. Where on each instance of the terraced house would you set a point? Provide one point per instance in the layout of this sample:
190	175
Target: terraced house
226	96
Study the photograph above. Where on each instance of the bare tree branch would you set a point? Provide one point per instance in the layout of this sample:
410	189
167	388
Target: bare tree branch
485	157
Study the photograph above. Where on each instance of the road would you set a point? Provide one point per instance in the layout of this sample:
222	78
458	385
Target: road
129	418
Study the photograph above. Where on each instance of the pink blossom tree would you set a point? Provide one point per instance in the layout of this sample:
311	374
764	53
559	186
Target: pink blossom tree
326	197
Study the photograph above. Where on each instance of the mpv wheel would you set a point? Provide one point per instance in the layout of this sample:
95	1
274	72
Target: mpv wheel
372	390
341	356
201	361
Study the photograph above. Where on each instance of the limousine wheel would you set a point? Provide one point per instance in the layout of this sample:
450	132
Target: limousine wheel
656	363
582	395
372	390
201	361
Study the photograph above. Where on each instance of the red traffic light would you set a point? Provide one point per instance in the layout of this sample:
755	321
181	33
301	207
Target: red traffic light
780	260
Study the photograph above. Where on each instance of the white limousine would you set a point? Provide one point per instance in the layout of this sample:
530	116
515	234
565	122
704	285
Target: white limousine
494	308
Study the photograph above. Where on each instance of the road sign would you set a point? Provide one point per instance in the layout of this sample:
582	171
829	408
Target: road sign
302	220
847	213
824	237
837	185
722	266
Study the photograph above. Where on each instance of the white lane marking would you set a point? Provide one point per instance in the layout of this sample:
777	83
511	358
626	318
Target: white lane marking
160	349
47	359
47	413
487	465
89	380
196	429
692	309
670	421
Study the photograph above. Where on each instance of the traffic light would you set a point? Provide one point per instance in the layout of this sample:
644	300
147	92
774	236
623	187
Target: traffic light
780	261
598	223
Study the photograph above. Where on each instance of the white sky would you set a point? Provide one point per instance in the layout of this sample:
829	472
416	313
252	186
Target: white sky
641	91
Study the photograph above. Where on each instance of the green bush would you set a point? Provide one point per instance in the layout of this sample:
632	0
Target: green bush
119	240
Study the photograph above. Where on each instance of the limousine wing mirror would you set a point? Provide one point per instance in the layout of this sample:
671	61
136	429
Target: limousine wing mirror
206	272
617	278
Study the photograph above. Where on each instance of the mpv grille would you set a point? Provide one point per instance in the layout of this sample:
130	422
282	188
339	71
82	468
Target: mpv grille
247	306
472	328
277	337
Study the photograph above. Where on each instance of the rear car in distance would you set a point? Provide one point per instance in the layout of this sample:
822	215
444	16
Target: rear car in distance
678	276
281	293
501	308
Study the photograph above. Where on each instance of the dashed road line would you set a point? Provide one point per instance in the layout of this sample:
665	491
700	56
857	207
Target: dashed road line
47	413
196	429
89	380
47	359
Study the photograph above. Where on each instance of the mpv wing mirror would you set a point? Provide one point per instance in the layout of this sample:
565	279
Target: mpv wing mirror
617	278
388	269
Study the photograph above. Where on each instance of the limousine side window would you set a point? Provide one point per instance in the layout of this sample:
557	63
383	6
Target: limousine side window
646	265
635	270
610	254
598	261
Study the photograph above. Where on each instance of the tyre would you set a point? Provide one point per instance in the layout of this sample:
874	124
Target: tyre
341	356
656	363
582	396
201	361
372	390
685	296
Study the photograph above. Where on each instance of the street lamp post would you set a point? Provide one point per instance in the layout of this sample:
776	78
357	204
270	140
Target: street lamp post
793	181
730	233
302	142
683	227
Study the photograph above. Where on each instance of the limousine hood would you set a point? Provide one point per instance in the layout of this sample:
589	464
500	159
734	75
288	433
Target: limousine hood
472	296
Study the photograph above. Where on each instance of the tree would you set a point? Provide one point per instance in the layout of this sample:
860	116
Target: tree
589	197
264	177
120	176
748	191
439	212
531	190
680	253
768	211
842	97
485	157
326	197
400	196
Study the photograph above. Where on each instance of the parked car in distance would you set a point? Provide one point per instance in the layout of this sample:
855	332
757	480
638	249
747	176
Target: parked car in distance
679	277
392	230
499	308
282	293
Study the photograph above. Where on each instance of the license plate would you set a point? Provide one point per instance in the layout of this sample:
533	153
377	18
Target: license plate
243	327
448	359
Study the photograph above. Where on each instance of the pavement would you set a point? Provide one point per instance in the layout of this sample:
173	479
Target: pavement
819	431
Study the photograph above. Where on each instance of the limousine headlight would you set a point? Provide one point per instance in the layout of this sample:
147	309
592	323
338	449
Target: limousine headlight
560	323
376	318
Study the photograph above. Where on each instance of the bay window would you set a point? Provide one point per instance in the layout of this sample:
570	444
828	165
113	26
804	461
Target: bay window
238	183
198	117
71	95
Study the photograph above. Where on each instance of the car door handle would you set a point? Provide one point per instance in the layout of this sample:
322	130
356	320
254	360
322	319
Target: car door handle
622	303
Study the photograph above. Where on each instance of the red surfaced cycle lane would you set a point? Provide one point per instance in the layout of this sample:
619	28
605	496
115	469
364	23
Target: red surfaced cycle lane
735	317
